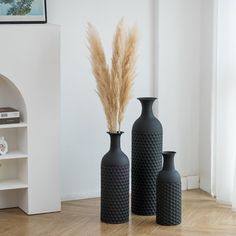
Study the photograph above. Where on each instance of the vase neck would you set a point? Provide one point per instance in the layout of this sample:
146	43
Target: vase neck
169	160
147	104
115	141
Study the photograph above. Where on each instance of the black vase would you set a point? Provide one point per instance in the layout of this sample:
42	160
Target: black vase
168	193
115	184
146	159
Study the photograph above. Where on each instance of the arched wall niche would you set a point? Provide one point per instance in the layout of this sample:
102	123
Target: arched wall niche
14	165
10	96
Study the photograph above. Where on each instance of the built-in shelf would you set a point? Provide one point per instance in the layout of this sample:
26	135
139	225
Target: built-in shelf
18	125
19	178
14	155
12	184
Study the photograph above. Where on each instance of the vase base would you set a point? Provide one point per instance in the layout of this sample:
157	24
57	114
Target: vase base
141	213
168	204
115	222
115	194
168	223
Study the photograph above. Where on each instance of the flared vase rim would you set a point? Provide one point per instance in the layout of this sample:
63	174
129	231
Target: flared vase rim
117	133
169	153
147	98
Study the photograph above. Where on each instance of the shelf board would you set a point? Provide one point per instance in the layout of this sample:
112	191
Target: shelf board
12	184
14	155
17	125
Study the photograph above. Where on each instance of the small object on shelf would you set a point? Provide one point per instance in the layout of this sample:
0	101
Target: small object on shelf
9	115
3	146
168	210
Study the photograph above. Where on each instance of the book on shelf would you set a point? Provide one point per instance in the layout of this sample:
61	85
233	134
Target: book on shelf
9	115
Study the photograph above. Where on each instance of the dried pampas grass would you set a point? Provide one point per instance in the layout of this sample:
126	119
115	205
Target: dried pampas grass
114	86
128	72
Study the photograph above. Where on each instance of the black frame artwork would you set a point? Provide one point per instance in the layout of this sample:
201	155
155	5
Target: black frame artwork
25	19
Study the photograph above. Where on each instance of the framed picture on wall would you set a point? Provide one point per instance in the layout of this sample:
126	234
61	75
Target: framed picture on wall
23	11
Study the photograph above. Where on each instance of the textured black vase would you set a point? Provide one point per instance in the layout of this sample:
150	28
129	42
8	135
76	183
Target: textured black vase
146	159
115	184
168	193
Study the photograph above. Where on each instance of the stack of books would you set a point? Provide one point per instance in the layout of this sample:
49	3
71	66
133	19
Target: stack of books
9	115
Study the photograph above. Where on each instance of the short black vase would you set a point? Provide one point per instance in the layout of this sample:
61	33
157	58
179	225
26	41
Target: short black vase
115	184
147	138
168	193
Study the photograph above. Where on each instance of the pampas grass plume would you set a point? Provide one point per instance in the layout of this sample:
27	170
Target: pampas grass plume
114	85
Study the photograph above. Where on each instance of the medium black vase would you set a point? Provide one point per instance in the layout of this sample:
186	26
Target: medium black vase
146	159
168	193
115	184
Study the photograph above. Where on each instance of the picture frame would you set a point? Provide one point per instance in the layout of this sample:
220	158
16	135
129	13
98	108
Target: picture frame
23	12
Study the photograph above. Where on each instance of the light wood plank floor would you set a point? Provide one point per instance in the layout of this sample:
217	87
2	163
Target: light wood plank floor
201	216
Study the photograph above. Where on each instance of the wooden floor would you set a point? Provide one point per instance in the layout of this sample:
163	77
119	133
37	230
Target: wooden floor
201	216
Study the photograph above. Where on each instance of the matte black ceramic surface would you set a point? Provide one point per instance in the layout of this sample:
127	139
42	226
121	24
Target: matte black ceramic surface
115	184
146	159
168	193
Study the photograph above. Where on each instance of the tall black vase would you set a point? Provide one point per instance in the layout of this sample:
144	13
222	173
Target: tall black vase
115	184
168	193
147	138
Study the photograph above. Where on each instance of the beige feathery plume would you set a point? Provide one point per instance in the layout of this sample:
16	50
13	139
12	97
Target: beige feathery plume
114	87
128	72
116	70
101	73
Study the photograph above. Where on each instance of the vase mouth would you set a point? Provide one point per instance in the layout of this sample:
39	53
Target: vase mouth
169	153
147	98
117	133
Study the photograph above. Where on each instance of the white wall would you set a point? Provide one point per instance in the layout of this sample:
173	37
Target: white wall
84	139
225	155
206	93
181	69
179	29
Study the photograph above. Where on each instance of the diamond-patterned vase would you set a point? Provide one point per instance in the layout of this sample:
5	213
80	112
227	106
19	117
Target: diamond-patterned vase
146	159
168	193
115	184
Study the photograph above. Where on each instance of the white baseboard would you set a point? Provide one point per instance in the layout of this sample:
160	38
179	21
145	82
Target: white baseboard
188	183
184	183
80	196
224	202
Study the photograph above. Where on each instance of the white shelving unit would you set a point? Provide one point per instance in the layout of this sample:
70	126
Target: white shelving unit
14	165
15	154
12	184
19	125
29	173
